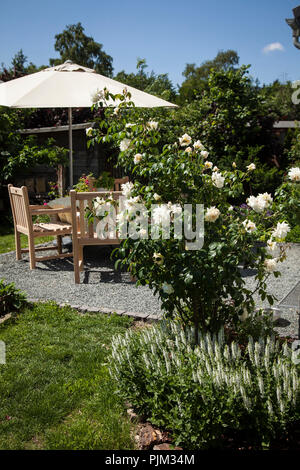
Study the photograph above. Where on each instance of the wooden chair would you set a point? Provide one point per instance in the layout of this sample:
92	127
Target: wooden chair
119	181
22	214
84	234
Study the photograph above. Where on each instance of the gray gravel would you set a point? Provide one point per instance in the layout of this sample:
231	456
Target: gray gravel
103	287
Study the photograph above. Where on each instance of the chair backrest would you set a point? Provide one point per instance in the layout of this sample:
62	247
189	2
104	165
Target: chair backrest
19	202
85	230
119	181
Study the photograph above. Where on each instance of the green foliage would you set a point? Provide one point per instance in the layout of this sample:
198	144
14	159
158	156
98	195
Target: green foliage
82	185
18	153
287	197
294	235
11	299
159	85
196	78
74	45
210	392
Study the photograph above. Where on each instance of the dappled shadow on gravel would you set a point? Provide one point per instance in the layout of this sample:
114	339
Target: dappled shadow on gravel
101	285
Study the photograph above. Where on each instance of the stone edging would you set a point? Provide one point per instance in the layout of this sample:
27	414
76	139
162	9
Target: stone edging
109	311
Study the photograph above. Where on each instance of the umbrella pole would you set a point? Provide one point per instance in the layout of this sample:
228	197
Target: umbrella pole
70	147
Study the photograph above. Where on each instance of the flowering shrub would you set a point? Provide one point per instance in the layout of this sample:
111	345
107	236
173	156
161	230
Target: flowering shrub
211	390
83	184
205	285
288	196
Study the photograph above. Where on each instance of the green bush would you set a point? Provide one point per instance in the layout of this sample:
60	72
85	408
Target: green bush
11	299
211	391
294	235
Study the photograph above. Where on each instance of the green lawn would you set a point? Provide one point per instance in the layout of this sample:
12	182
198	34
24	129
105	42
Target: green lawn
55	388
7	239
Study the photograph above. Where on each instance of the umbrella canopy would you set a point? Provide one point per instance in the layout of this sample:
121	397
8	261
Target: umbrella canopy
68	86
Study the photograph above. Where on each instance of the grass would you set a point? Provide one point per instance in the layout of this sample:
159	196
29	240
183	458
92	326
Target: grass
55	388
7	239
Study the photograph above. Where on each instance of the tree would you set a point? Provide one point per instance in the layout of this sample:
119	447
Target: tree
196	78
18	67
159	85
74	45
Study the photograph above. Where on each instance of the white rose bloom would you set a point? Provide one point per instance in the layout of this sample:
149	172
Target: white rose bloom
230	208
161	214
212	214
281	230
294	174
271	245
204	153
215	168
249	226
270	264
158	258
89	131
208	165
188	150
218	180
260	203
156	197
198	145
153	125
251	167
185	140
167	288
138	158
124	144
267	197
127	189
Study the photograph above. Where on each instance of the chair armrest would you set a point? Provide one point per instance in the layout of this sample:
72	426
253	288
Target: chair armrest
38	206
50	211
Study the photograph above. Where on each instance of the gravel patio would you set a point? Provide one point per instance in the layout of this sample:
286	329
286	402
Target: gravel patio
102	288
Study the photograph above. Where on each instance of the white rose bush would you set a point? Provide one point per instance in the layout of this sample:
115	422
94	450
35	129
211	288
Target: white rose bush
205	285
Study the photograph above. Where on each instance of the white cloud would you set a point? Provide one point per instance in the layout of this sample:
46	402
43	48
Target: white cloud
274	46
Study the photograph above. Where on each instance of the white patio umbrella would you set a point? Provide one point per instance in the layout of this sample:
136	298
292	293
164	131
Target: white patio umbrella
68	86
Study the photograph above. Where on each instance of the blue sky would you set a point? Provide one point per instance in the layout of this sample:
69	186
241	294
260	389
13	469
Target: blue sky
168	33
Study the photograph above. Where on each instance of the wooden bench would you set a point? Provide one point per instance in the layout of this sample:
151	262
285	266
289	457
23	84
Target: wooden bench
84	233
